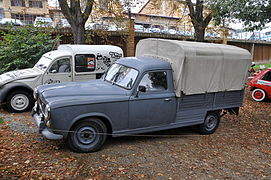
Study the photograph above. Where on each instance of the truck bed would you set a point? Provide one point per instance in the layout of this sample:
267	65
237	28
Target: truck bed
191	109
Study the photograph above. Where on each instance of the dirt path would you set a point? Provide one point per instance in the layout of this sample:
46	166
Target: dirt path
240	149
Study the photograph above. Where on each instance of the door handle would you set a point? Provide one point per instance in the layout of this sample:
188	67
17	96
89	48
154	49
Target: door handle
168	99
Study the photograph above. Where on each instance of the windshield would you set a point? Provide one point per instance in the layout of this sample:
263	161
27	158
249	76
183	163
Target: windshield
121	75
43	63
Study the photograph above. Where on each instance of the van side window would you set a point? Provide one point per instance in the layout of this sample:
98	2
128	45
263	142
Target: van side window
85	63
61	66
154	81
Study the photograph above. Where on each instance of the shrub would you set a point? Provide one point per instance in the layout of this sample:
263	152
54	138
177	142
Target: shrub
22	47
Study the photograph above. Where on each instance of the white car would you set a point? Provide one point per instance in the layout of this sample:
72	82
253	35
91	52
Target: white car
43	22
64	23
155	30
114	28
66	64
15	22
172	31
139	28
95	26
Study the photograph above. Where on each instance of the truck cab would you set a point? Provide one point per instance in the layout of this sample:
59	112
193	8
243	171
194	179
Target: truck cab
66	64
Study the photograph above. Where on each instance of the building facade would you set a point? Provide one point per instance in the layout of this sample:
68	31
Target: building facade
168	14
164	14
24	10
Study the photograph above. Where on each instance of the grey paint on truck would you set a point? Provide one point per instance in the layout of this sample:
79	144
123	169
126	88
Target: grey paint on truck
123	110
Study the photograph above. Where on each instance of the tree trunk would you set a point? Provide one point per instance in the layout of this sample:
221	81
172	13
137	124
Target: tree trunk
199	22
199	33
78	34
77	17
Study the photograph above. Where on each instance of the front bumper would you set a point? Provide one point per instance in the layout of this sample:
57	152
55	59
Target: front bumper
43	129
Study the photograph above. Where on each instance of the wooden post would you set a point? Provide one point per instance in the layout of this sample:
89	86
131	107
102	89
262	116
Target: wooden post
252	51
225	33
130	43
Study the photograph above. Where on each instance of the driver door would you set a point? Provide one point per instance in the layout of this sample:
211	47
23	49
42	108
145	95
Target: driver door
58	72
266	82
154	107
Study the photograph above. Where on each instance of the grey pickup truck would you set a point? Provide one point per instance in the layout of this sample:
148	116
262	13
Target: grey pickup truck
169	84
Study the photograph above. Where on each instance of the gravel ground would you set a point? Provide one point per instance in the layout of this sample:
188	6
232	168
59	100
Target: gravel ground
240	149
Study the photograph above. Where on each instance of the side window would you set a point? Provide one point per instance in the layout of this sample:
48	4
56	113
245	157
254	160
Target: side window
85	63
61	66
267	76
154	81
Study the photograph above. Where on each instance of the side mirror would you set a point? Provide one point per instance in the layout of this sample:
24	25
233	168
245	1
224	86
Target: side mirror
142	88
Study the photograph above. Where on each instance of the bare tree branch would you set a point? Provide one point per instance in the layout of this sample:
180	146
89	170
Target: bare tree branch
66	10
207	20
88	9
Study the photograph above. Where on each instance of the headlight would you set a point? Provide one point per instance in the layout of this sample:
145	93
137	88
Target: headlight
35	93
47	112
35	108
48	123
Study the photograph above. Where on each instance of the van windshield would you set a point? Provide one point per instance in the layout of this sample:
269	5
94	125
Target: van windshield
121	75
43	63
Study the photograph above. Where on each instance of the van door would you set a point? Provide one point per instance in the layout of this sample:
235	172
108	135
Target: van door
59	71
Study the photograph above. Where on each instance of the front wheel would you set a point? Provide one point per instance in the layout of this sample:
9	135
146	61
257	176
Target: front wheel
87	136
258	95
19	101
211	123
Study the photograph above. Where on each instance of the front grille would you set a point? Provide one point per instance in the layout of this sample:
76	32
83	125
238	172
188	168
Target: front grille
41	107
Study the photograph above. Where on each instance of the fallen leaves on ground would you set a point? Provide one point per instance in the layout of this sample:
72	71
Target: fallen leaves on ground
240	149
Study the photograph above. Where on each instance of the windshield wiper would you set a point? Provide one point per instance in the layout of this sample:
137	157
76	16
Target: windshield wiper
115	77
105	74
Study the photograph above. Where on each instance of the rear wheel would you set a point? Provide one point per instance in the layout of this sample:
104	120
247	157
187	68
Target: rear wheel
87	136
258	95
210	124
19	101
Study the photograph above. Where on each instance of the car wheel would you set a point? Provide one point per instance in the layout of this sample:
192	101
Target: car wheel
19	101
211	123
87	136
258	95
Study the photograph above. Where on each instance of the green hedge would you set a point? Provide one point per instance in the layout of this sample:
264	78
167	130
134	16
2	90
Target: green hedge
22	47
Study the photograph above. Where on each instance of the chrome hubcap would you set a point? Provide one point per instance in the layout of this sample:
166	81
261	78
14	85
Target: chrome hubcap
86	135
19	102
211	122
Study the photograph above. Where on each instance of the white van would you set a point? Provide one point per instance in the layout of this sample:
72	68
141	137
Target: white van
66	64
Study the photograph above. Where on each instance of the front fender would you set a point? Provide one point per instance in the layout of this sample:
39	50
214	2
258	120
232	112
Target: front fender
4	90
88	115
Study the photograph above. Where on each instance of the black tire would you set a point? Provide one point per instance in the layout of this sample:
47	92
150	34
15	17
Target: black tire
211	123
19	101
87	136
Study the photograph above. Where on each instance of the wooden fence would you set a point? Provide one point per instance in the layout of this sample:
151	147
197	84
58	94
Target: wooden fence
260	50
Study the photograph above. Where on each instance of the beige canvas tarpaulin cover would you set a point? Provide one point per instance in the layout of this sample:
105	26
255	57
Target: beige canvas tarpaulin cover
200	67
